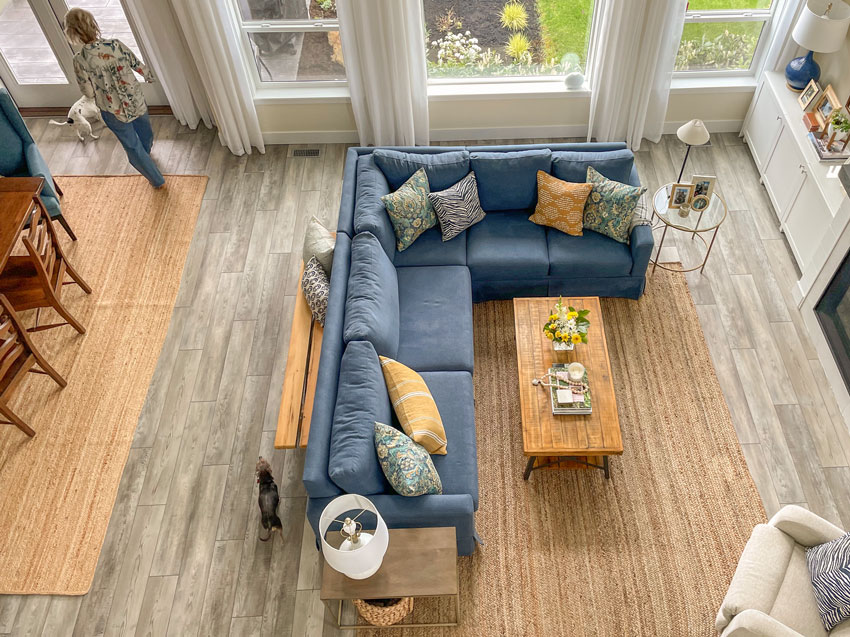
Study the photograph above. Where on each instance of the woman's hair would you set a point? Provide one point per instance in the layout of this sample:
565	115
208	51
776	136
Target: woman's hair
81	27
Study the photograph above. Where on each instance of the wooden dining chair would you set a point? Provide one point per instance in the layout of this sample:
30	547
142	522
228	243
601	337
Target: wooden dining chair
35	280
18	356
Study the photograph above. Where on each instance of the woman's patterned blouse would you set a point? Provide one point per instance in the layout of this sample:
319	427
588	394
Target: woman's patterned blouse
104	71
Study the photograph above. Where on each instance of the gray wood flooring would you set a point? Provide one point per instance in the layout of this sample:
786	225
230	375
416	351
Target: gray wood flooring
181	556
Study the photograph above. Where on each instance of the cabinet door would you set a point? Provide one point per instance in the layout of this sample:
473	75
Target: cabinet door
763	126
784	173
807	221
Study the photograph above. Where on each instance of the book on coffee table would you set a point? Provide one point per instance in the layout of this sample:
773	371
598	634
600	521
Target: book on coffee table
568	399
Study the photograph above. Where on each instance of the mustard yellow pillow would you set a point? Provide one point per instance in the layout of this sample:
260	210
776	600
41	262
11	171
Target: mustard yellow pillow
560	204
414	406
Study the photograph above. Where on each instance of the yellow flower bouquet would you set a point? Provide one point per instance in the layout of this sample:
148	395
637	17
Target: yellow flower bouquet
566	326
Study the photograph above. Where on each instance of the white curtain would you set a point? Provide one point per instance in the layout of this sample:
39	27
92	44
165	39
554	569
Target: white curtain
384	50
631	68
782	47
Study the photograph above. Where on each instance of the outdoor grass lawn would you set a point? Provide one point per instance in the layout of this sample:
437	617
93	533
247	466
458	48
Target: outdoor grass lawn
566	23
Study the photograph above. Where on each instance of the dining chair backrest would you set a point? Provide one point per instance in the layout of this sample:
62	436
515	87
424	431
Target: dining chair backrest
43	247
15	346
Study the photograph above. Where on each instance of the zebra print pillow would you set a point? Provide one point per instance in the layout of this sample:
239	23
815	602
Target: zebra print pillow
829	568
457	207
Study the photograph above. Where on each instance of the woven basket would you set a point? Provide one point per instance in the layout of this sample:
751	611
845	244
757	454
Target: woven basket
384	615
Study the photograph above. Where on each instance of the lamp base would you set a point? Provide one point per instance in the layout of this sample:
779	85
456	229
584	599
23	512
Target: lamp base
800	71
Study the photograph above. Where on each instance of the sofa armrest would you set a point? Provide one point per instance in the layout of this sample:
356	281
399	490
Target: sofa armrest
641	243
759	575
38	168
804	527
754	623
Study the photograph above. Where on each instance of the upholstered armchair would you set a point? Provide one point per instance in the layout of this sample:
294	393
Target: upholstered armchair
771	592
19	157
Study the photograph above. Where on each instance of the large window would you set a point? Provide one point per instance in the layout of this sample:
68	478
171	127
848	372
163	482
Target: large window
723	35
292	40
506	38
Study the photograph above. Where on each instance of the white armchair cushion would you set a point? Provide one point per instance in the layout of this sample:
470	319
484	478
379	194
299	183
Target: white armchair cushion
754	623
795	605
804	526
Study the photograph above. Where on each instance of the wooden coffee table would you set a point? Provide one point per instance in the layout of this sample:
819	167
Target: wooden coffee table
552	441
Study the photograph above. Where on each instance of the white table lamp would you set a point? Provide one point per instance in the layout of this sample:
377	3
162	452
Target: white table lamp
692	133
361	553
821	28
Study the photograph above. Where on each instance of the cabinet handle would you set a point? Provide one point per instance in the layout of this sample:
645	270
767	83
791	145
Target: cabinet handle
779	118
802	169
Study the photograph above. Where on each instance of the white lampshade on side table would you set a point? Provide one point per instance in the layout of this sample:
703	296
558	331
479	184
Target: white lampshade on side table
355	559
692	133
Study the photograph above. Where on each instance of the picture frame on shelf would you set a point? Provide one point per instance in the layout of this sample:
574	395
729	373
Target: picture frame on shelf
703	185
680	194
809	94
826	104
700	203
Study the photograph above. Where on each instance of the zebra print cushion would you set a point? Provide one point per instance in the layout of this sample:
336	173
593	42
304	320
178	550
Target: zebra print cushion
457	207
829	568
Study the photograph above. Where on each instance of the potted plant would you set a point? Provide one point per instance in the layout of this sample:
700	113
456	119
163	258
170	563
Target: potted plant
566	326
839	124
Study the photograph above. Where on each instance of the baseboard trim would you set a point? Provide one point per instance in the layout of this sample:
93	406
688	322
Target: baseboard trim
311	137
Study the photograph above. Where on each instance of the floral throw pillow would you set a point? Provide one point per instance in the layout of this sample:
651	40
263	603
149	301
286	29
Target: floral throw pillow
316	288
610	207
410	210
406	464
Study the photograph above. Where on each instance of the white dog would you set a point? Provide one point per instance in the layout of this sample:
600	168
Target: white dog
83	110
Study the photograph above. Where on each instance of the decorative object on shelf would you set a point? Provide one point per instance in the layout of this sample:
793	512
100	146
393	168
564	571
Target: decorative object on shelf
361	553
821	28
680	194
703	185
384	612
685	209
700	203
811	122
566	326
826	105
692	133
808	95
574	80
824	154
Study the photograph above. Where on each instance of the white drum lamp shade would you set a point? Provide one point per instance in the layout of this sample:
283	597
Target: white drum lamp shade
819	31
693	133
360	560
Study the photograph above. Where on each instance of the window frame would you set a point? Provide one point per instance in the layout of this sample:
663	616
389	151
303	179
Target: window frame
765	16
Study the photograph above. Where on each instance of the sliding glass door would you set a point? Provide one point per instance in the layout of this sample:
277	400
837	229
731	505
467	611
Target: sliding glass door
36	60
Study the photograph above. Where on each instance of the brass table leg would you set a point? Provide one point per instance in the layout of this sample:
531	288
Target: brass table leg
710	245
660	245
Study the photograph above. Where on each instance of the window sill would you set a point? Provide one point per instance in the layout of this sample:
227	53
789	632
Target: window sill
707	84
505	89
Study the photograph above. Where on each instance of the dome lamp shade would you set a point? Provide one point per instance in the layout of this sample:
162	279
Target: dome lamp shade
361	552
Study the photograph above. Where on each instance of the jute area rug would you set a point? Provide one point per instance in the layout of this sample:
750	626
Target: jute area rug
650	552
58	488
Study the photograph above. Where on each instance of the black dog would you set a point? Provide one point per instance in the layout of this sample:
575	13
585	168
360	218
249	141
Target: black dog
268	499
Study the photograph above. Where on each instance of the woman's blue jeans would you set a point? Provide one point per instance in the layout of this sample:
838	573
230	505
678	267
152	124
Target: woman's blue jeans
137	139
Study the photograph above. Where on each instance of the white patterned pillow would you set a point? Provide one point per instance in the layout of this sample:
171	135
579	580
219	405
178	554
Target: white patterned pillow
641	216
457	207
319	242
316	288
829	568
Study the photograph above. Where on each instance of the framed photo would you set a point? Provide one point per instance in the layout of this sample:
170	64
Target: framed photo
809	94
703	185
680	194
700	203
826	104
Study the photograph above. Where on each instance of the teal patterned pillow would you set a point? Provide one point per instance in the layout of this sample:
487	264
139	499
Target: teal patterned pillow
410	210
610	206
406	464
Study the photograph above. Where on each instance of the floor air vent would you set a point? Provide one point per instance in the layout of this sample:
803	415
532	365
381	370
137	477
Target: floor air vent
306	152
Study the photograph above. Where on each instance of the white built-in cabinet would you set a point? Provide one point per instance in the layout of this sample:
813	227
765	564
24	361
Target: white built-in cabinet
805	193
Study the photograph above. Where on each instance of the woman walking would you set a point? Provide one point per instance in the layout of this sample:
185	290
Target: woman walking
104	69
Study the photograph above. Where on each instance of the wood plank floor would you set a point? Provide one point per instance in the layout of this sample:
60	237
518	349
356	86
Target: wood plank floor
181	556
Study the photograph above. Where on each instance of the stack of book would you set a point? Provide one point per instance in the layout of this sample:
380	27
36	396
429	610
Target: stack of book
568	399
828	154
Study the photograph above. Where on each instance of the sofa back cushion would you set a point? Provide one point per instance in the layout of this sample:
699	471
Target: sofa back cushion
371	304
370	214
443	169
361	401
12	160
572	165
508	181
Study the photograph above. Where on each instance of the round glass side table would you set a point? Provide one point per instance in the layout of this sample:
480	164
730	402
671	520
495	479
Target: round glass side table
696	222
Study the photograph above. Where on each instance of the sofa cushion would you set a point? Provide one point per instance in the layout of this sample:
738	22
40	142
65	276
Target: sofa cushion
407	465
370	214
572	165
410	210
443	169
829	570
591	255
560	204
435	304
361	400
508	181
457	207
505	246
12	160
611	206
458	469
430	249
372	302
414	406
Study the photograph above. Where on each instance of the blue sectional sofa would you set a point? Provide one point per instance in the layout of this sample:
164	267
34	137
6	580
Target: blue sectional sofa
416	306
